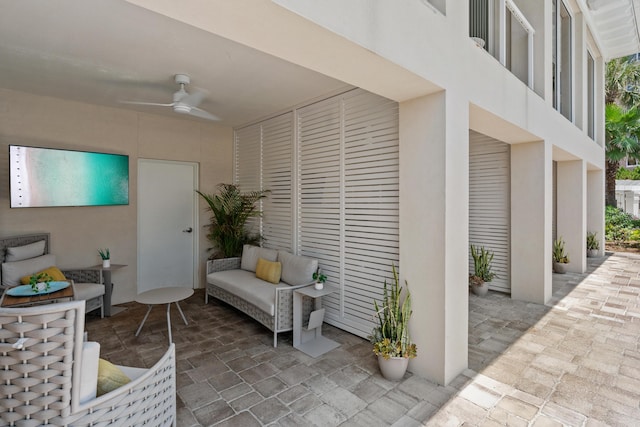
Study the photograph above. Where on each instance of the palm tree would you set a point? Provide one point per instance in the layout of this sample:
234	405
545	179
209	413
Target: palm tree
622	132
622	96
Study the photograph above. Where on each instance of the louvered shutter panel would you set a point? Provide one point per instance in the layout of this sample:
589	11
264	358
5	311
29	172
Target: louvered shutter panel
248	160
277	165
371	188
489	204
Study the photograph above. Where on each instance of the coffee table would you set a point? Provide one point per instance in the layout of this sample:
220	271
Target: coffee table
167	296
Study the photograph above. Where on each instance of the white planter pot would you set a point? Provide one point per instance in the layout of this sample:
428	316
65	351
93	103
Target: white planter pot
560	267
106	263
393	368
592	253
480	290
319	286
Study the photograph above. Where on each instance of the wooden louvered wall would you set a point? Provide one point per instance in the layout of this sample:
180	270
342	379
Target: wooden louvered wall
489	204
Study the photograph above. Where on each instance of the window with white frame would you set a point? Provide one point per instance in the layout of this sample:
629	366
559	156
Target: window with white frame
562	59
591	93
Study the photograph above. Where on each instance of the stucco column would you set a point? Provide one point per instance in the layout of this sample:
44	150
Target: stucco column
531	217
572	212
595	205
434	223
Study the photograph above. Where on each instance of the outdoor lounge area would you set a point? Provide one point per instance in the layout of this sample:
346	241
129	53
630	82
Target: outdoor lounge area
572	362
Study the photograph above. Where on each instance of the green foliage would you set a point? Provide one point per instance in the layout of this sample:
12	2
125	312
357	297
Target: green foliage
231	210
319	277
39	278
104	253
559	253
622	79
482	259
391	337
622	129
633	174
620	226
592	241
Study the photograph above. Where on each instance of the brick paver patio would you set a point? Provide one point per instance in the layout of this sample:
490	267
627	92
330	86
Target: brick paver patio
574	361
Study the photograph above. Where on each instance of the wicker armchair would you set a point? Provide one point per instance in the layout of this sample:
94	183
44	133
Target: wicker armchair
40	369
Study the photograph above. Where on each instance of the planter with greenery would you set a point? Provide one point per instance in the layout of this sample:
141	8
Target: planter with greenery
560	256
319	278
482	274
390	339
592	244
105	254
40	282
231	209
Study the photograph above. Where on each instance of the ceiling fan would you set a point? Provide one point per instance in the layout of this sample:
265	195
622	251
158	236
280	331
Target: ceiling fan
183	102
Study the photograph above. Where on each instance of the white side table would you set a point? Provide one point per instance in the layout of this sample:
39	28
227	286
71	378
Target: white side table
164	296
308	338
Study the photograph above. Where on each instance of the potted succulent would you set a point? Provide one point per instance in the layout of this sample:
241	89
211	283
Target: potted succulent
482	274
592	244
106	257
560	256
319	278
231	209
40	282
390	339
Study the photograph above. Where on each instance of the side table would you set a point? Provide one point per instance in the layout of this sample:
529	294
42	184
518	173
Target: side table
108	286
308	338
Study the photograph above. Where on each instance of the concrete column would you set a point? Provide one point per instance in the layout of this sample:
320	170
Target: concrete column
595	205
531	220
434	223
572	212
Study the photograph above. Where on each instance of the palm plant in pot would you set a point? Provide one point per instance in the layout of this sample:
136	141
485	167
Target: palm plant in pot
560	256
390	339
482	274
592	244
231	209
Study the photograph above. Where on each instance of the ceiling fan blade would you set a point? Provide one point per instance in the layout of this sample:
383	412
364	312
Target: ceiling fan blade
198	112
146	103
194	99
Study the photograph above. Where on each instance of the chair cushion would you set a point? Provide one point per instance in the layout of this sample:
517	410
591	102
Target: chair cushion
85	291
12	272
89	371
250	255
110	377
268	271
297	270
53	272
245	285
19	253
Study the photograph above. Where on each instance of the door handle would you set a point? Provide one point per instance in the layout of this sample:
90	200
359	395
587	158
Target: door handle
188	230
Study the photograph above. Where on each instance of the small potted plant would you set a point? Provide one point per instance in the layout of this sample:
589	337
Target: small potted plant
40	282
390	339
106	257
482	274
592	244
560	256
319	278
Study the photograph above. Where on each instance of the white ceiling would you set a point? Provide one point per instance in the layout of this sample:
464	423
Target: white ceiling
616	24
106	51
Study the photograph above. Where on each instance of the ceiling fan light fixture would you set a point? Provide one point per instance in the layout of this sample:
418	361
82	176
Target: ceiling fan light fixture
182	108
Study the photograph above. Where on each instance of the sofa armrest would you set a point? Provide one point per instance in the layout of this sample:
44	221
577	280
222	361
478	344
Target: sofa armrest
284	306
82	276
214	265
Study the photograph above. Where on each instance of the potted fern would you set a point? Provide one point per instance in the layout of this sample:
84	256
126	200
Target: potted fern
482	274
560	256
390	339
592	244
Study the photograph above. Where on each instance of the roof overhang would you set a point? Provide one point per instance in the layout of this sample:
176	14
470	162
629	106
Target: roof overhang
614	26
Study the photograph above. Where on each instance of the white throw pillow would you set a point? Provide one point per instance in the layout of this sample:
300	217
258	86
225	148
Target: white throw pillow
18	253
13	271
297	270
250	255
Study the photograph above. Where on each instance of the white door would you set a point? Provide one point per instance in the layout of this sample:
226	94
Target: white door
166	224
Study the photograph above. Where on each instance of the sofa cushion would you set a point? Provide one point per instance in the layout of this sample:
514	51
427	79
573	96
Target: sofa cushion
297	270
250	255
13	271
32	250
53	272
269	271
110	377
89	371
87	291
245	285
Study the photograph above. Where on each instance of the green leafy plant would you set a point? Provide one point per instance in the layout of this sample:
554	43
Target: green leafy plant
559	253
35	279
592	241
231	209
482	259
104	253
391	337
319	277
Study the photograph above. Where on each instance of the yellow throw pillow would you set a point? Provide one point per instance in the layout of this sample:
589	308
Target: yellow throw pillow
53	272
268	271
110	377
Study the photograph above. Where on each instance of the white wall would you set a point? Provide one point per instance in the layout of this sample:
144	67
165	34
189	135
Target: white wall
77	232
